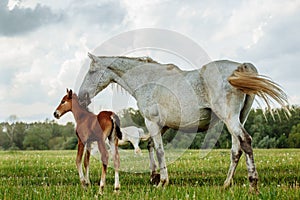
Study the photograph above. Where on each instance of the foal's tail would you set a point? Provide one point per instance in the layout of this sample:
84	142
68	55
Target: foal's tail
116	125
246	79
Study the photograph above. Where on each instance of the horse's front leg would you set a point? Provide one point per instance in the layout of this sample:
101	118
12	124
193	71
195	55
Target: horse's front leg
80	151
154	177
156	135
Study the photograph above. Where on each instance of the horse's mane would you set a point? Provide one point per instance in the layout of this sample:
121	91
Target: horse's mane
145	59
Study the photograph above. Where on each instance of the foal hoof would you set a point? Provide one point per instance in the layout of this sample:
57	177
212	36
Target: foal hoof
117	191
100	191
155	178
85	184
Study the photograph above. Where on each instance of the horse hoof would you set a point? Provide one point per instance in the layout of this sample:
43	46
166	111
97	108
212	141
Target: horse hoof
254	191
227	185
163	183
155	178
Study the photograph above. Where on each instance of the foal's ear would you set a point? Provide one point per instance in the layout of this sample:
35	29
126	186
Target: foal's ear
70	92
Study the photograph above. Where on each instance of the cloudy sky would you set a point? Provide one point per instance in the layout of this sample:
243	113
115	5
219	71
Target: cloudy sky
44	43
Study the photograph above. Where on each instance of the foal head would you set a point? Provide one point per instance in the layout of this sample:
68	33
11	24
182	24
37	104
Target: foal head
65	105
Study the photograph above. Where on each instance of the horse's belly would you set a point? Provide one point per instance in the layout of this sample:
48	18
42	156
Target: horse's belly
190	122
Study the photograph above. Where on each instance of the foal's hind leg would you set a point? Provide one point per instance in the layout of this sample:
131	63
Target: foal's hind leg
116	157
104	159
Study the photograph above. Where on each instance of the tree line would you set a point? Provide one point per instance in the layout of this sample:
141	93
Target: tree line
266	131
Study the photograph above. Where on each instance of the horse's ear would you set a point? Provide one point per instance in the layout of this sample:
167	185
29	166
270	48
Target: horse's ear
92	57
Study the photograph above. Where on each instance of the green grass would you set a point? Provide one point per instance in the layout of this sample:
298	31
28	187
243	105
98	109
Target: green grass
53	175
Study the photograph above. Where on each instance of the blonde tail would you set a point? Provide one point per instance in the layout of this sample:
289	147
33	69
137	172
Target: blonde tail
246	79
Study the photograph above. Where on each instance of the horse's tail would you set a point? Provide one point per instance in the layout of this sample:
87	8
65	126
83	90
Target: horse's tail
116	125
246	79
142	135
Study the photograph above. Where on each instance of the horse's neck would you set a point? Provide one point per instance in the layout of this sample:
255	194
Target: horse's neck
78	111
132	73
122	69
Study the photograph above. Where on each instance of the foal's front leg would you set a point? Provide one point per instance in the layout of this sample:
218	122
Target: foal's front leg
79	163
87	163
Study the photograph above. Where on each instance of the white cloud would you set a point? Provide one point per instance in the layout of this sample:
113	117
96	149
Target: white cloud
40	60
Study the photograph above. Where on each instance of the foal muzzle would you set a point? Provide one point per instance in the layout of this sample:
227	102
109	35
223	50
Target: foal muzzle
56	114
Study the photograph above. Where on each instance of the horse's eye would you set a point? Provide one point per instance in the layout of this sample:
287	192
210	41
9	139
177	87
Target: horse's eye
62	102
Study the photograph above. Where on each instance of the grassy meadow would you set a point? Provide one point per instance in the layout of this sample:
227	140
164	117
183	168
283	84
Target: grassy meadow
53	175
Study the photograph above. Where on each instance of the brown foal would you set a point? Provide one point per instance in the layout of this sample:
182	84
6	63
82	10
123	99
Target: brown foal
91	128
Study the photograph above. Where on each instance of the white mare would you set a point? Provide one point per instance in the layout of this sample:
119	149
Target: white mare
169	97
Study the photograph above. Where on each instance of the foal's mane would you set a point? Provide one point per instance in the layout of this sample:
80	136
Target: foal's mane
75	97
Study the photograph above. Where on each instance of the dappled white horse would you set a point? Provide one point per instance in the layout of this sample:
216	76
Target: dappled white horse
133	135
187	100
130	134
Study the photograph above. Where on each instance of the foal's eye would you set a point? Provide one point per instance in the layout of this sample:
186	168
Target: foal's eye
62	102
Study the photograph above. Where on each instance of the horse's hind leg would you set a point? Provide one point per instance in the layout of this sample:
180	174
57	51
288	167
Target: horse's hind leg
244	139
236	153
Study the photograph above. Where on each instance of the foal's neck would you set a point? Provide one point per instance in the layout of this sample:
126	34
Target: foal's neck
78	111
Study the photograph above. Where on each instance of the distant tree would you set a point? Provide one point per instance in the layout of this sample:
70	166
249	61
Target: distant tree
70	143
9	130
37	137
267	143
294	137
282	141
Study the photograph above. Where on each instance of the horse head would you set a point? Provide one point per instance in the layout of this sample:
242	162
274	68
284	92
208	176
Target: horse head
97	78
65	105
